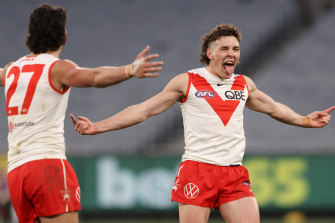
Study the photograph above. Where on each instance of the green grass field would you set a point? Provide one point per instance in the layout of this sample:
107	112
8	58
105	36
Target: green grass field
264	220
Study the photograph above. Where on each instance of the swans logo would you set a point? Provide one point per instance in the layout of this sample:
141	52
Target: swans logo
78	194
204	94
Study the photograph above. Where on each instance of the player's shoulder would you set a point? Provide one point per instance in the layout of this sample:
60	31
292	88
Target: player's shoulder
250	82
62	64
246	78
183	78
67	62
7	65
196	71
4	70
178	82
180	78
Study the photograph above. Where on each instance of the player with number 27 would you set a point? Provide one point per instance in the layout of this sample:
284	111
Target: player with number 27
42	184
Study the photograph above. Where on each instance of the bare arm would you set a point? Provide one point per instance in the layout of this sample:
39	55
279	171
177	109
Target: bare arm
2	77
3	74
66	73
173	92
259	101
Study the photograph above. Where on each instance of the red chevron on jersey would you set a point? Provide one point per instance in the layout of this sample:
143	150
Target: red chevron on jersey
223	108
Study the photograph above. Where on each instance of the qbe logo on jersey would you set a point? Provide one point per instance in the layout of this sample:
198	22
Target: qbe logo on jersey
191	190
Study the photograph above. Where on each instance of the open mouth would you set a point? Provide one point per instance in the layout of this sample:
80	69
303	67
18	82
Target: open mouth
229	67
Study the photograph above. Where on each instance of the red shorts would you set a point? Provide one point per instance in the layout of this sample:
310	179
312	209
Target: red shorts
43	188
208	185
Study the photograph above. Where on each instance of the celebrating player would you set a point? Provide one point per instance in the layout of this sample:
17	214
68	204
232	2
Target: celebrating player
43	186
212	99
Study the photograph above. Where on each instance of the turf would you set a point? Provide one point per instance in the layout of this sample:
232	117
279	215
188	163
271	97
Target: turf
264	220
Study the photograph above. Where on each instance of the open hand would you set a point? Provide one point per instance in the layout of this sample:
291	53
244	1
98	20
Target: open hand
319	119
142	67
83	125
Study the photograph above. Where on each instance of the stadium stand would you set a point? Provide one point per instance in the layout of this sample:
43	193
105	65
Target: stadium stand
301	75
113	32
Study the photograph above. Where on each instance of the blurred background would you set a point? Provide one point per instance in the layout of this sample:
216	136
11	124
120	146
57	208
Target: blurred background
287	48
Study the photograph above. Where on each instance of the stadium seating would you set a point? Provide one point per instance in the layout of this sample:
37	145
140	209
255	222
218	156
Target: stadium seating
301	76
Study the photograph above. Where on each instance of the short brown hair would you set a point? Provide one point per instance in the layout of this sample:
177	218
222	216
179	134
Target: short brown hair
46	29
215	34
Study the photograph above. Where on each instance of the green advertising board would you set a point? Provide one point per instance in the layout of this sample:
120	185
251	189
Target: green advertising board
144	183
299	182
126	183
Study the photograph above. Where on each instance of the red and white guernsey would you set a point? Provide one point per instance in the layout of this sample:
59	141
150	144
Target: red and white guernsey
35	110
213	118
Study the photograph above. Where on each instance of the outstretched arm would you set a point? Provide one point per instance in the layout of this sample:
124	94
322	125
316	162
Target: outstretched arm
66	73
259	101
2	78
173	92
3	74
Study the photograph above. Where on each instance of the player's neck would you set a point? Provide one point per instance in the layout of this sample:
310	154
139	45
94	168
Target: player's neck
56	53
53	53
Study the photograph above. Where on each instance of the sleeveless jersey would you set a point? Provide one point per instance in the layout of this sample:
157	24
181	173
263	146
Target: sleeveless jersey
213	118
35	110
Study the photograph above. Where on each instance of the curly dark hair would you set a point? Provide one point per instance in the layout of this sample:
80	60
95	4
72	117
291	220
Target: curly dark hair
215	34
46	30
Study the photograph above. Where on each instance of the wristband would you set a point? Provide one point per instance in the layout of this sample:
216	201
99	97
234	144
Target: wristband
127	71
306	121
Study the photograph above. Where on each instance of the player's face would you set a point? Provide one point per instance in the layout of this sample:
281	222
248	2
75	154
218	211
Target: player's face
224	55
